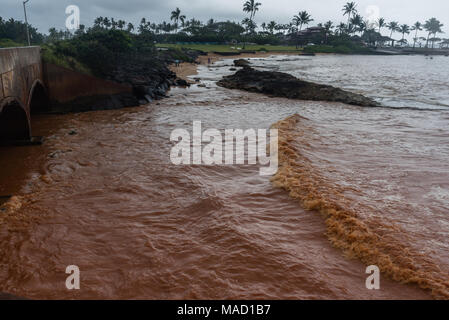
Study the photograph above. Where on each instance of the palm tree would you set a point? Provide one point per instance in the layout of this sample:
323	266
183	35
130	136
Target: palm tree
106	23
250	25
121	24
98	22
176	16
381	23
142	25
264	26
432	26
303	18
329	26
416	27
364	26
291	28
279	28
193	26
272	26
349	9
251	7
182	18
166	27
341	28
283	28
393	26
357	22
404	29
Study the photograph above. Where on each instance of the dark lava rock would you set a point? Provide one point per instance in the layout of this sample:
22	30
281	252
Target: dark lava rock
241	63
149	74
280	84
230	53
181	83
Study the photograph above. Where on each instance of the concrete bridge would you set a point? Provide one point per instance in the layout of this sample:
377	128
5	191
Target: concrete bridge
22	91
29	86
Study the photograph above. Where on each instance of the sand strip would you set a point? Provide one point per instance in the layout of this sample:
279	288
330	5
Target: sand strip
186	69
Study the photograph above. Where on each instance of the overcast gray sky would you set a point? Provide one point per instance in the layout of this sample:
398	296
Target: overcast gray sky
51	13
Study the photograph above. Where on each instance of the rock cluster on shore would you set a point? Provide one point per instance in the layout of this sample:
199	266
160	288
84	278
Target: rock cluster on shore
280	84
149	75
241	63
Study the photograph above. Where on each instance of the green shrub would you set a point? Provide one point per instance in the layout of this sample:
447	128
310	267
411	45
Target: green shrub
319	49
339	47
7	43
49	55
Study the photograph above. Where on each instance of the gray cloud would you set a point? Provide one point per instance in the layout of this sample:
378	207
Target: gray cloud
51	13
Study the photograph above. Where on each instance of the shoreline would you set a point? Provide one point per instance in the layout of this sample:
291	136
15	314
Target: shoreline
187	69
190	69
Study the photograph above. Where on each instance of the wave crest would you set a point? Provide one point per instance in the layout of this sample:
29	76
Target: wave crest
368	239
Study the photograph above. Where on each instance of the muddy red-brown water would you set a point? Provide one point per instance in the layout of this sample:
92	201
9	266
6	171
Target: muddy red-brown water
108	200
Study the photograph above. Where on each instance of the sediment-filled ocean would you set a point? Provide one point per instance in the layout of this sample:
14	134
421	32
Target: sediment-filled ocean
356	186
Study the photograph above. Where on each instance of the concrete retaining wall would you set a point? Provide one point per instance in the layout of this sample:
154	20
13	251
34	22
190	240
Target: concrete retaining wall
64	85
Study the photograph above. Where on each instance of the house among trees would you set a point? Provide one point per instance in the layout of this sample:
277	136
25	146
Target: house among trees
311	32
314	35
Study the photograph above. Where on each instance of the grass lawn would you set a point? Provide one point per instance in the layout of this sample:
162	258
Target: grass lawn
227	48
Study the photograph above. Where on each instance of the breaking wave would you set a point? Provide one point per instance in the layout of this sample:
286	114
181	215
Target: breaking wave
349	228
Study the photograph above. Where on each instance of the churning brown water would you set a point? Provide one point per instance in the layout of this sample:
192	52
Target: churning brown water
365	186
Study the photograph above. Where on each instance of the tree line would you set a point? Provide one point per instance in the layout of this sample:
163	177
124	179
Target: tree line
181	29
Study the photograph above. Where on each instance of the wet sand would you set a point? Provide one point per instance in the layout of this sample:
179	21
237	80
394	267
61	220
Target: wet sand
185	69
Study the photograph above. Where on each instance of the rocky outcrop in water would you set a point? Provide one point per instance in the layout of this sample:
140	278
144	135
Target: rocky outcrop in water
280	84
241	63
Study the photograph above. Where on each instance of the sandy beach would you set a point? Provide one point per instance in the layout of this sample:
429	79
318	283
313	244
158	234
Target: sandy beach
185	69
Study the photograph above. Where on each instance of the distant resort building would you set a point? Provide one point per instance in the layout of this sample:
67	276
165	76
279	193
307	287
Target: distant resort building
310	32
306	35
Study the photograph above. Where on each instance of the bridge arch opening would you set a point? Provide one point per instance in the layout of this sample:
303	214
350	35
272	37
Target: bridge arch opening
14	124
39	102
